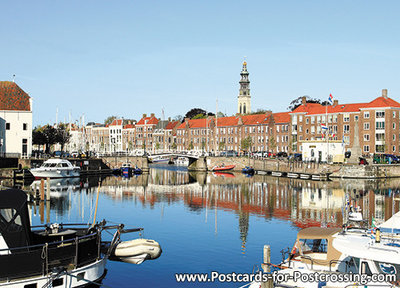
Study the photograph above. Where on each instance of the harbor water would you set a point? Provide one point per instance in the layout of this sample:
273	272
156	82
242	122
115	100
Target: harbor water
210	221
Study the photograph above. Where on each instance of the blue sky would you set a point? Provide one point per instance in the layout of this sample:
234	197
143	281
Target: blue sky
126	58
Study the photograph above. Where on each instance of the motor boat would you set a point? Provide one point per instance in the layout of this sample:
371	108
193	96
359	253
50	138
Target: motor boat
137	171
65	255
126	169
351	255
248	170
56	168
182	161
223	167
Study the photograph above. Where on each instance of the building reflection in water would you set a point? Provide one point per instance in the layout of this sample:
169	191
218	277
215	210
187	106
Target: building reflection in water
304	203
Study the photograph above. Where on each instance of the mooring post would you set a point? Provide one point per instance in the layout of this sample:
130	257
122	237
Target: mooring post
48	189
42	189
266	266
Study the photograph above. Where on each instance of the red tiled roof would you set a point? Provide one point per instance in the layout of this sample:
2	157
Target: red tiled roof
253	119
281	117
148	120
382	102
315	108
128	126
12	97
198	123
182	126
171	125
116	122
227	121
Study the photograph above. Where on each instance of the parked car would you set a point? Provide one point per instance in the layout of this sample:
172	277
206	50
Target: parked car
380	159
281	155
392	158
57	154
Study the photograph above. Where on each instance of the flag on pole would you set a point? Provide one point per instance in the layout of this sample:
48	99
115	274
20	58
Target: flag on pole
324	127
330	99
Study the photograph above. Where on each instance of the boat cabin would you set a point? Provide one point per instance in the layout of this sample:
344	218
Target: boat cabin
26	253
314	246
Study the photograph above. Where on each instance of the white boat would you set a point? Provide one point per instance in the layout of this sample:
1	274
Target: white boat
340	258
136	251
56	168
182	161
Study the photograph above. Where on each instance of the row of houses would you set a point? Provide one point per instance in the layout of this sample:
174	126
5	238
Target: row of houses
377	123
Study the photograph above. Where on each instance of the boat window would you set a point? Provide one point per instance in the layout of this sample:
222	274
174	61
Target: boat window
59	165
353	265
34	285
365	268
52	164
57	282
64	164
314	245
9	220
388	268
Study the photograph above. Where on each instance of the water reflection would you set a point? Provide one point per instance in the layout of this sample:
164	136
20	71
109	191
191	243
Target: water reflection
304	203
228	219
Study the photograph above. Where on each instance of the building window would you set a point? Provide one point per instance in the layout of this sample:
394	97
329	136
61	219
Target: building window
7	126
394	148
380	125
300	118
394	114
312	119
379	136
334	118
307	120
366	126
346	128
346	117
394	137
366	148
312	129
318	119
380	114
366	115
366	137
394	125
25	126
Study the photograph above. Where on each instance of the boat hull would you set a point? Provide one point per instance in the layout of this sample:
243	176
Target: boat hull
136	251
224	168
93	272
41	173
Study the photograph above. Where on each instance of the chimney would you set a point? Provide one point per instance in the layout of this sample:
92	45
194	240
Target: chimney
303	100
384	93
144	115
152	115
335	102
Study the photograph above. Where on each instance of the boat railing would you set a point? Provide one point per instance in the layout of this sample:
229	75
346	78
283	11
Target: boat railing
42	259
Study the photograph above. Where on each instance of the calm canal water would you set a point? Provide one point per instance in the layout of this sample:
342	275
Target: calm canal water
208	222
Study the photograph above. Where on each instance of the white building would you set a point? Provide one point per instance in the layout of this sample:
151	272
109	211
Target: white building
15	120
115	133
318	151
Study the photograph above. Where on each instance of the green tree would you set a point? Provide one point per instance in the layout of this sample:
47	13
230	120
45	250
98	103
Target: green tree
221	146
174	146
272	143
63	135
45	135
200	116
246	143
191	146
109	120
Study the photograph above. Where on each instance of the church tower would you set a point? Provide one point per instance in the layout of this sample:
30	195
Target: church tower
244	97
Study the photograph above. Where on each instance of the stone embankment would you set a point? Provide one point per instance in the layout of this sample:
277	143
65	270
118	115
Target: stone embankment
284	166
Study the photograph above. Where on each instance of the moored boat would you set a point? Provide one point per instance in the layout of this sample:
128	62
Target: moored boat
248	170
56	168
223	167
56	255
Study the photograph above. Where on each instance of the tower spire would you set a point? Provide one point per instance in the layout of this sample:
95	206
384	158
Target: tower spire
244	98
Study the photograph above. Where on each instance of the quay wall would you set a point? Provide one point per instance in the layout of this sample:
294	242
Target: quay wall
372	171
